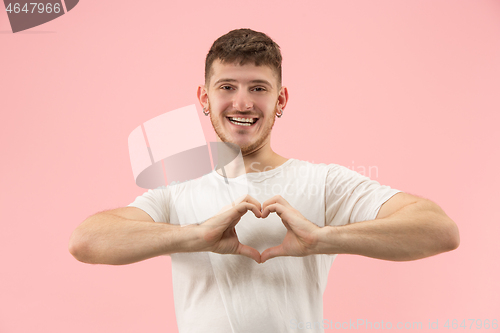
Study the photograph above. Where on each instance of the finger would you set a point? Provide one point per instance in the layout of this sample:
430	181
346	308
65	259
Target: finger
273	208
252	200
231	217
272	252
276	199
247	198
280	210
243	198
245	206
249	252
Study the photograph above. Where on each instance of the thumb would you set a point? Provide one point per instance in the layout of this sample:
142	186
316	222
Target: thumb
272	252
249	252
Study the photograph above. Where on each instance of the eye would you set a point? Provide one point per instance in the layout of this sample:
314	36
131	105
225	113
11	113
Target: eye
259	89
225	87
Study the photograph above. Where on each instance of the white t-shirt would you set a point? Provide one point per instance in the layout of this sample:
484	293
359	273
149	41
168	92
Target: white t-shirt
232	293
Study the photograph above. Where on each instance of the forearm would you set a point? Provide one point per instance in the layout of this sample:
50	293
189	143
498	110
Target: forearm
416	231
109	239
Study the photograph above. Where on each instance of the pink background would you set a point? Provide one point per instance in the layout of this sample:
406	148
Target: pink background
410	87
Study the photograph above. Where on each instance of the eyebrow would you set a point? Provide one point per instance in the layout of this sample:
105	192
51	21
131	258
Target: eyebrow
253	81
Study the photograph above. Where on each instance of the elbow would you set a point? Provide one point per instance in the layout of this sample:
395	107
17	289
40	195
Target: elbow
456	237
452	237
84	248
448	236
79	247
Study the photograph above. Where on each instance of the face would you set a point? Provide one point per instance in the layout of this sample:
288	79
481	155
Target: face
243	101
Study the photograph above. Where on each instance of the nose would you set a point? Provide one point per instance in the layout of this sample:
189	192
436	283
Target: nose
242	101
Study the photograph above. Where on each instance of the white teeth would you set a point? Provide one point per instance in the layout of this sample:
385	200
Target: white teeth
242	121
241	124
246	120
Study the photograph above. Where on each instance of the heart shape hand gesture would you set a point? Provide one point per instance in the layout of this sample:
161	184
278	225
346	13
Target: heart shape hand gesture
219	234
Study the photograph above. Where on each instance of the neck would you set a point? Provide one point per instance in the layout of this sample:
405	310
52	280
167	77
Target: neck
262	160
259	160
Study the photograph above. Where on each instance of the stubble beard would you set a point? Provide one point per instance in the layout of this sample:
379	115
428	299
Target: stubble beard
251	147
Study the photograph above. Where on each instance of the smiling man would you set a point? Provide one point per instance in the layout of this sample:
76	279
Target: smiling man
243	97
260	263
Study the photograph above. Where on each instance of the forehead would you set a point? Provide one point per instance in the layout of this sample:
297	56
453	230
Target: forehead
241	73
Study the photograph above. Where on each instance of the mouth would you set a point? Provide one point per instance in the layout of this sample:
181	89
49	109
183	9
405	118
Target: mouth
242	121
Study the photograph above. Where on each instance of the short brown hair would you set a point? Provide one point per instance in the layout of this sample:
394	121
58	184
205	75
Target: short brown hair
245	45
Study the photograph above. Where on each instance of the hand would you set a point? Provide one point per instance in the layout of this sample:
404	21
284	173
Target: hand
301	236
219	232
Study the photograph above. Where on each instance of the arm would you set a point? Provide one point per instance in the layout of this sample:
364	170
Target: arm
127	235
406	228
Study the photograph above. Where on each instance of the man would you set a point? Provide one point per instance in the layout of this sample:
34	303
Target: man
279	265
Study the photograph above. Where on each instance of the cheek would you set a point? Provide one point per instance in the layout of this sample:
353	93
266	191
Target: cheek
269	102
220	99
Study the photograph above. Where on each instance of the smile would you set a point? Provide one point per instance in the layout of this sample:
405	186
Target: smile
242	121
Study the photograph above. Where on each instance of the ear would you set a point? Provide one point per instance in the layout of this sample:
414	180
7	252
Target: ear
203	97
283	98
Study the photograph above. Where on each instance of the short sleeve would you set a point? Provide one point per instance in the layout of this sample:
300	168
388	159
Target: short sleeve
351	197
155	202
